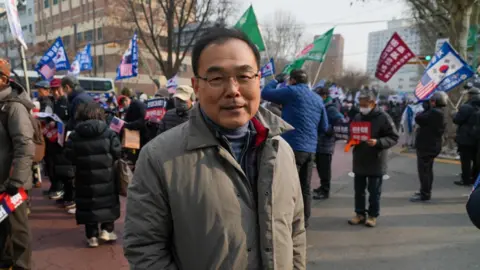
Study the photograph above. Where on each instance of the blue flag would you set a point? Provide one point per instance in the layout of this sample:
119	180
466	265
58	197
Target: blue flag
445	71
55	58
268	69
83	61
128	68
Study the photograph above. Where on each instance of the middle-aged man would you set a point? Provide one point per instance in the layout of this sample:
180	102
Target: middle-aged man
183	100
16	155
76	96
304	110
466	139
221	190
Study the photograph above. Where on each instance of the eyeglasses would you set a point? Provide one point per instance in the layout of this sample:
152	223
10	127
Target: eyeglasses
218	81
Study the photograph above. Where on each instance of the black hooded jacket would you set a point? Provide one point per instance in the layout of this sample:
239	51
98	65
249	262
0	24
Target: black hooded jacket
372	161
93	148
429	135
465	120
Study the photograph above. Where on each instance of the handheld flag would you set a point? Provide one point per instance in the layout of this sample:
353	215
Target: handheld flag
128	68
172	84
83	61
445	71
268	69
14	22
248	24
54	59
395	54
296	64
317	50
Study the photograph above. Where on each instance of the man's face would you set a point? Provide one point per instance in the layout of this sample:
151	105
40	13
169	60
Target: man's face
42	92
67	89
126	102
230	103
58	92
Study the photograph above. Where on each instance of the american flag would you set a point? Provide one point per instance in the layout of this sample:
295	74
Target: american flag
116	124
48	70
126	69
425	87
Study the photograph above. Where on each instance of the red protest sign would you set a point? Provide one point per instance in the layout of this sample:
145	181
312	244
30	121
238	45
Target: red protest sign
393	57
360	131
156	109
8	203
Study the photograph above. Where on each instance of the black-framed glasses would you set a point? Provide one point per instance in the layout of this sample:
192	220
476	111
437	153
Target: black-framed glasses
217	81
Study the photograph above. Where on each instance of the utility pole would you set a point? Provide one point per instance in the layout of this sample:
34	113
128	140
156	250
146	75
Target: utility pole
94	40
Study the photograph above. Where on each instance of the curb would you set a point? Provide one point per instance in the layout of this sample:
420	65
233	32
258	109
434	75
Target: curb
403	152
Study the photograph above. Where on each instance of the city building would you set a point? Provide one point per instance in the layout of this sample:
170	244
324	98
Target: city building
8	46
406	79
104	25
332	66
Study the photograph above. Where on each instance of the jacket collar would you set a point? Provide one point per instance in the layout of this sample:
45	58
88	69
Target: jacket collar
266	124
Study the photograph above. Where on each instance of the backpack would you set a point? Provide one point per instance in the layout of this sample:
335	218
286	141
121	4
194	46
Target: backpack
38	138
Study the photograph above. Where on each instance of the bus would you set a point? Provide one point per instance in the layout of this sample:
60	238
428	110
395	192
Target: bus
92	85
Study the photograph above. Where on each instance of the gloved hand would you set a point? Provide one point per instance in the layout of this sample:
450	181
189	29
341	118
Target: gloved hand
11	190
280	78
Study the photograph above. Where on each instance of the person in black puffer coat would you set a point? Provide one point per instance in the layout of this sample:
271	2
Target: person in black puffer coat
326	145
466	141
93	148
183	100
429	142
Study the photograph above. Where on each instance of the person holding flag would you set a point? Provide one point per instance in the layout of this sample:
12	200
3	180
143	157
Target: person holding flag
304	110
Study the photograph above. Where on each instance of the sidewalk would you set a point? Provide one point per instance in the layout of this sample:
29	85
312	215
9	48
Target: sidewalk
432	236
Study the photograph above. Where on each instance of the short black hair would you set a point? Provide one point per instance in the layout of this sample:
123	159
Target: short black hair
90	111
322	91
70	81
220	35
299	75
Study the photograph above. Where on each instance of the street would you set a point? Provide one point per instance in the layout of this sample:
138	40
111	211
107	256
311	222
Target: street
436	235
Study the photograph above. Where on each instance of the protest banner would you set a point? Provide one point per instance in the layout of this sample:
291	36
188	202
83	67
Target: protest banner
156	109
395	54
360	131
342	131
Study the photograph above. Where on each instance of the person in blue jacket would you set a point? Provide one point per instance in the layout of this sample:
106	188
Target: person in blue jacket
304	110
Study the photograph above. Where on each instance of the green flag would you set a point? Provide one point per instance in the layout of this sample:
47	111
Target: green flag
248	25
318	49
296	64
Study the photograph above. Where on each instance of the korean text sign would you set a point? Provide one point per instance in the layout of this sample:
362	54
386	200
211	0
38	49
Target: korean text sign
360	131
342	131
393	57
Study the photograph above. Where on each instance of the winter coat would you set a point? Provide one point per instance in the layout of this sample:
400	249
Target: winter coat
62	166
191	206
466	121
431	128
171	120
16	140
326	141
135	119
46	104
93	148
77	97
303	109
372	161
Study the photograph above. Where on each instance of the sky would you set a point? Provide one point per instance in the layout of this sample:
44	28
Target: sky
318	16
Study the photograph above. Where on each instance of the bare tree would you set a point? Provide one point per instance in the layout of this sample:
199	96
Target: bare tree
168	28
283	35
352	79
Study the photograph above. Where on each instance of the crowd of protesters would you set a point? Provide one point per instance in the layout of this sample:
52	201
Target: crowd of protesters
223	180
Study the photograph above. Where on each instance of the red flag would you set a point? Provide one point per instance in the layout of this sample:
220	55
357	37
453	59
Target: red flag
393	57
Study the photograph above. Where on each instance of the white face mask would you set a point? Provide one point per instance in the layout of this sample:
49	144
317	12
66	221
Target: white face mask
365	111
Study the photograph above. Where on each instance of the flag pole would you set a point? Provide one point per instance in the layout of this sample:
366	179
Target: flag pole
24	64
318	73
